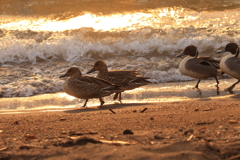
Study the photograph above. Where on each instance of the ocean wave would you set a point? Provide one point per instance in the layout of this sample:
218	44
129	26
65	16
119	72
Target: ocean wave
22	46
34	50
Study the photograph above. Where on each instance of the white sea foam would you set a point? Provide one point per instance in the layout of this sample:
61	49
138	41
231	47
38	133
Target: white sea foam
72	49
30	88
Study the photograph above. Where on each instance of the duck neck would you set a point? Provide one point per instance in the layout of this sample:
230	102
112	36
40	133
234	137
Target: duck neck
76	74
102	72
196	55
237	52
103	69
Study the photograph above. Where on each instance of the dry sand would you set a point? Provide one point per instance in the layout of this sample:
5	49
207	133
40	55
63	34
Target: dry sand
193	129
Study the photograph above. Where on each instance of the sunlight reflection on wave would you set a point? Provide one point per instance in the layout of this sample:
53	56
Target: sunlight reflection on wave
163	18
126	21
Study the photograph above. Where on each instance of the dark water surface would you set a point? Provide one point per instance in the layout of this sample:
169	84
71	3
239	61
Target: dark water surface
43	7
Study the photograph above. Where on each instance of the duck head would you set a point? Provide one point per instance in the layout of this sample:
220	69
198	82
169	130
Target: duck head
72	72
232	48
189	50
98	66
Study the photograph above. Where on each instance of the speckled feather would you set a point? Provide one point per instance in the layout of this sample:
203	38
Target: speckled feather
87	87
90	87
125	79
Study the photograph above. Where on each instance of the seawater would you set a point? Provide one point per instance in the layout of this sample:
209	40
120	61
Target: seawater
150	94
40	40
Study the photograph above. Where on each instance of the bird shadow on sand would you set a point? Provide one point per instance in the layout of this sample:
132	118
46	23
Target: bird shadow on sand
105	107
235	96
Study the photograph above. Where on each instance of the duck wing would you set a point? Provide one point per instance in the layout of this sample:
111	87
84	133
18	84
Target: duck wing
123	73
117	77
100	83
209	61
132	83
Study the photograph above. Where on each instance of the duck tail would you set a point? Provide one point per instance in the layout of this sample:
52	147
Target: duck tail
143	80
113	88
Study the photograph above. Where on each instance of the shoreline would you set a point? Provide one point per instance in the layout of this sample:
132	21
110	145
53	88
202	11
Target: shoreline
162	92
106	106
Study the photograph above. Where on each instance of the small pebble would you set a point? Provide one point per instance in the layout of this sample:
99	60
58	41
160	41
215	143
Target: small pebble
16	123
153	142
169	137
158	137
233	121
30	137
222	127
127	131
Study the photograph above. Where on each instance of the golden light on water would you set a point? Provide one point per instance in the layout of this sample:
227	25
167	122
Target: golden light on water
126	21
104	23
163	18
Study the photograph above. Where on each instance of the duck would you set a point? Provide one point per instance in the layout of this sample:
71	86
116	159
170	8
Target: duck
125	79
230	63
199	67
86	87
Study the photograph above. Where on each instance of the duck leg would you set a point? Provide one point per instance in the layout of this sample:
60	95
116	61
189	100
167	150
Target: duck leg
101	102
229	89
115	96
120	97
197	84
217	85
198	90
85	103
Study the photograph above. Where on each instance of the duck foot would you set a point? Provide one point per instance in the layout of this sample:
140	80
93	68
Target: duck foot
229	89
218	93
118	96
197	84
199	92
101	102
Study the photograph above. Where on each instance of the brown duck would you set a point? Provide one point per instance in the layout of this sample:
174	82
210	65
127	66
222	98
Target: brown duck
86	87
125	79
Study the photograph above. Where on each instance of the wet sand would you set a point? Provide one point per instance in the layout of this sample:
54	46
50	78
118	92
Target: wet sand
204	128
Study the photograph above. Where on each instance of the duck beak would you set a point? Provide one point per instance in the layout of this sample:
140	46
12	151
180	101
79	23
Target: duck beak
181	54
92	70
62	76
221	51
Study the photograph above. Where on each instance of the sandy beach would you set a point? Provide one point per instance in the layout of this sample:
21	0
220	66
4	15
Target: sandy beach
192	129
